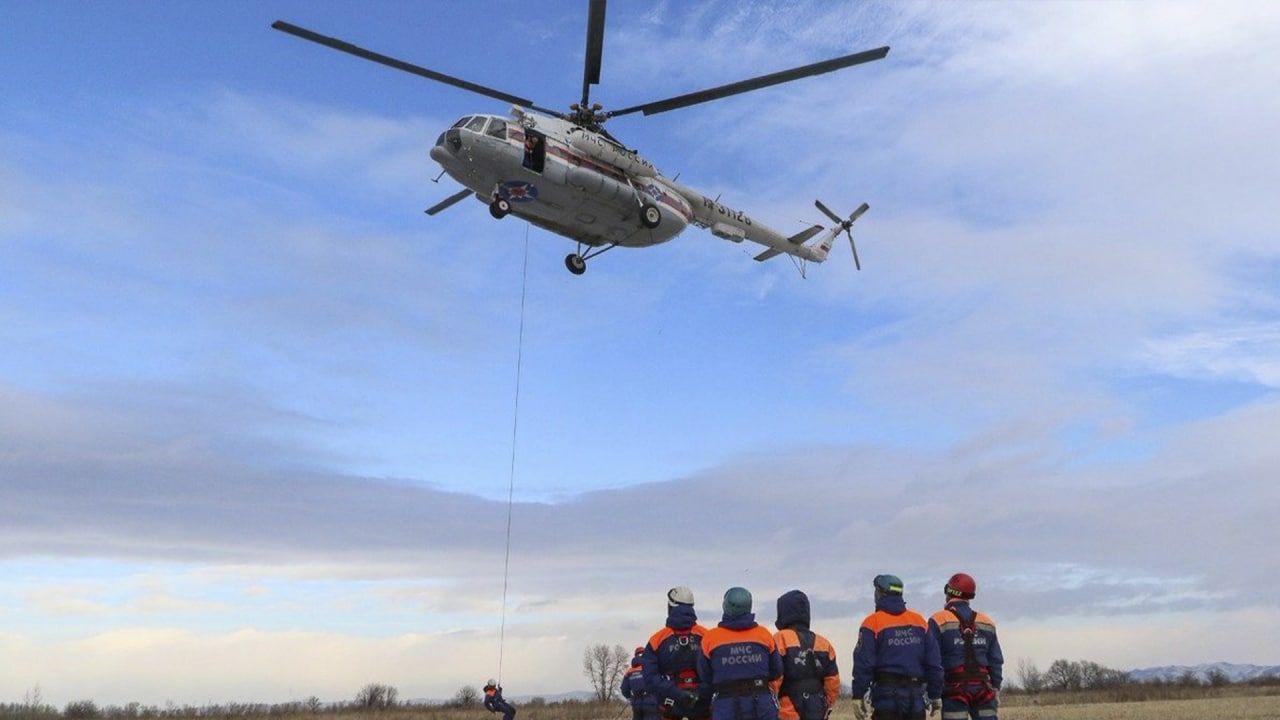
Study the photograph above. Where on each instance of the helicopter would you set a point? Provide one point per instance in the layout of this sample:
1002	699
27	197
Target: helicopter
563	172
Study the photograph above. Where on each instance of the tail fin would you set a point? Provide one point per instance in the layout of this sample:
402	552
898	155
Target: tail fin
824	245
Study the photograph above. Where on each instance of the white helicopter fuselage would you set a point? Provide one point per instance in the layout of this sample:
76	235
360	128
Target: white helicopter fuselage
584	186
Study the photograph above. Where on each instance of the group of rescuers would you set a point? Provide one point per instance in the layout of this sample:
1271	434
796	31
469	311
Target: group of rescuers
738	670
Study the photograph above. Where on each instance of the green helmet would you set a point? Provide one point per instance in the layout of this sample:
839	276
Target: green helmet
737	601
888	584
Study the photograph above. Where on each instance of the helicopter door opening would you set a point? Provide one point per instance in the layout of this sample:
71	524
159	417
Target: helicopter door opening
535	150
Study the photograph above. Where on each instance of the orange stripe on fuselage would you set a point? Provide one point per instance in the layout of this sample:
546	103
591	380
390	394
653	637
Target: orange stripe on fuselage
561	151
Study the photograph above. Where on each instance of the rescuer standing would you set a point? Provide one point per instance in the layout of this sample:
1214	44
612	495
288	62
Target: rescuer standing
670	661
896	659
494	703
738	661
643	706
971	657
810	681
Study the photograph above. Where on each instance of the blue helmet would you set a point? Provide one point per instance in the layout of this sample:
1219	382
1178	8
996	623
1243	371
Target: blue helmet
888	584
737	601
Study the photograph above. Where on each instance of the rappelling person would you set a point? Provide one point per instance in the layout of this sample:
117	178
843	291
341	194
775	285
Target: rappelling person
810	681
670	661
971	659
740	661
643	705
896	659
494	703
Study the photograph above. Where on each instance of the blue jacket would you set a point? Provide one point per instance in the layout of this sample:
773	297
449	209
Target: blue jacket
670	659
945	625
493	701
738	649
633	688
896	640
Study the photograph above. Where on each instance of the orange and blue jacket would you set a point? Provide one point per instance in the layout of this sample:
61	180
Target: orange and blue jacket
670	659
738	649
946	627
633	688
896	641
493	701
808	673
814	671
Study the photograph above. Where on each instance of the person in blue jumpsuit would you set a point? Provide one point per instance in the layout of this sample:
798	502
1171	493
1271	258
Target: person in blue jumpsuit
896	659
494	703
670	661
643	704
739	661
972	662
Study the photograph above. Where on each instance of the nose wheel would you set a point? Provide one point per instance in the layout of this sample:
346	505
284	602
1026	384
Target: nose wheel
577	262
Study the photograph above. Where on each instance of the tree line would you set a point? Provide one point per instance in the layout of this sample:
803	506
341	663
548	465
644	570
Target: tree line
1079	675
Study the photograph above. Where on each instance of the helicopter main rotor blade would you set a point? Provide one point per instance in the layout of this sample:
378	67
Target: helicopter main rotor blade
360	52
595	48
755	83
449	201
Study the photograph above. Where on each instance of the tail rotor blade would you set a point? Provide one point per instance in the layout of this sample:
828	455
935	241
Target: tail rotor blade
827	211
852	246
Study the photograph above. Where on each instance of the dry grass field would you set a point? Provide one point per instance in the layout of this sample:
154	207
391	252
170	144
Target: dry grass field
1239	702
1265	707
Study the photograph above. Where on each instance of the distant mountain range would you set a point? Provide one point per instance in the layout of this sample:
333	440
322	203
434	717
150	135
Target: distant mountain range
1237	673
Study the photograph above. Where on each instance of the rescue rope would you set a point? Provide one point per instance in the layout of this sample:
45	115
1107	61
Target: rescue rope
511	482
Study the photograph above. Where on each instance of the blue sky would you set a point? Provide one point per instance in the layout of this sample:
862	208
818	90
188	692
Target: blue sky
250	391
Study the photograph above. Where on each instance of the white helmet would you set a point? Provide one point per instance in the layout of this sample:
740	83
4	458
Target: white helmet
679	596
492	683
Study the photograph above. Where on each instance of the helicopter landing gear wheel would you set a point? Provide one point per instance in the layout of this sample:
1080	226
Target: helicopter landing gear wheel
576	264
499	208
650	216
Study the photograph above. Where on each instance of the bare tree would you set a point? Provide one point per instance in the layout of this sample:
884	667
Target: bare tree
1064	675
376	696
1029	676
604	666
467	696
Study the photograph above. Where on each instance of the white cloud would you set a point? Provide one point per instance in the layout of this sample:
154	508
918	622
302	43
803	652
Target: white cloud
1245	352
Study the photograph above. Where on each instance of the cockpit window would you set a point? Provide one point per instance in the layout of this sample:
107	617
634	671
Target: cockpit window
477	124
498	129
462	122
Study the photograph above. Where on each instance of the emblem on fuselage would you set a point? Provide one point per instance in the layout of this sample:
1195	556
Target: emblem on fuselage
519	191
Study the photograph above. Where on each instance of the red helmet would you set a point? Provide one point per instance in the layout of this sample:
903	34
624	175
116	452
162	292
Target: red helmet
639	651
961	587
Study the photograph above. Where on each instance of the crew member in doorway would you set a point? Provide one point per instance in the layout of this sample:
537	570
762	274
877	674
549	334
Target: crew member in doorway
810	681
896	659
535	150
670	661
643	706
971	657
494	703
739	661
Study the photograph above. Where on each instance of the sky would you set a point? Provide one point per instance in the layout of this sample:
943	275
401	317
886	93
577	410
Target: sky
256	408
